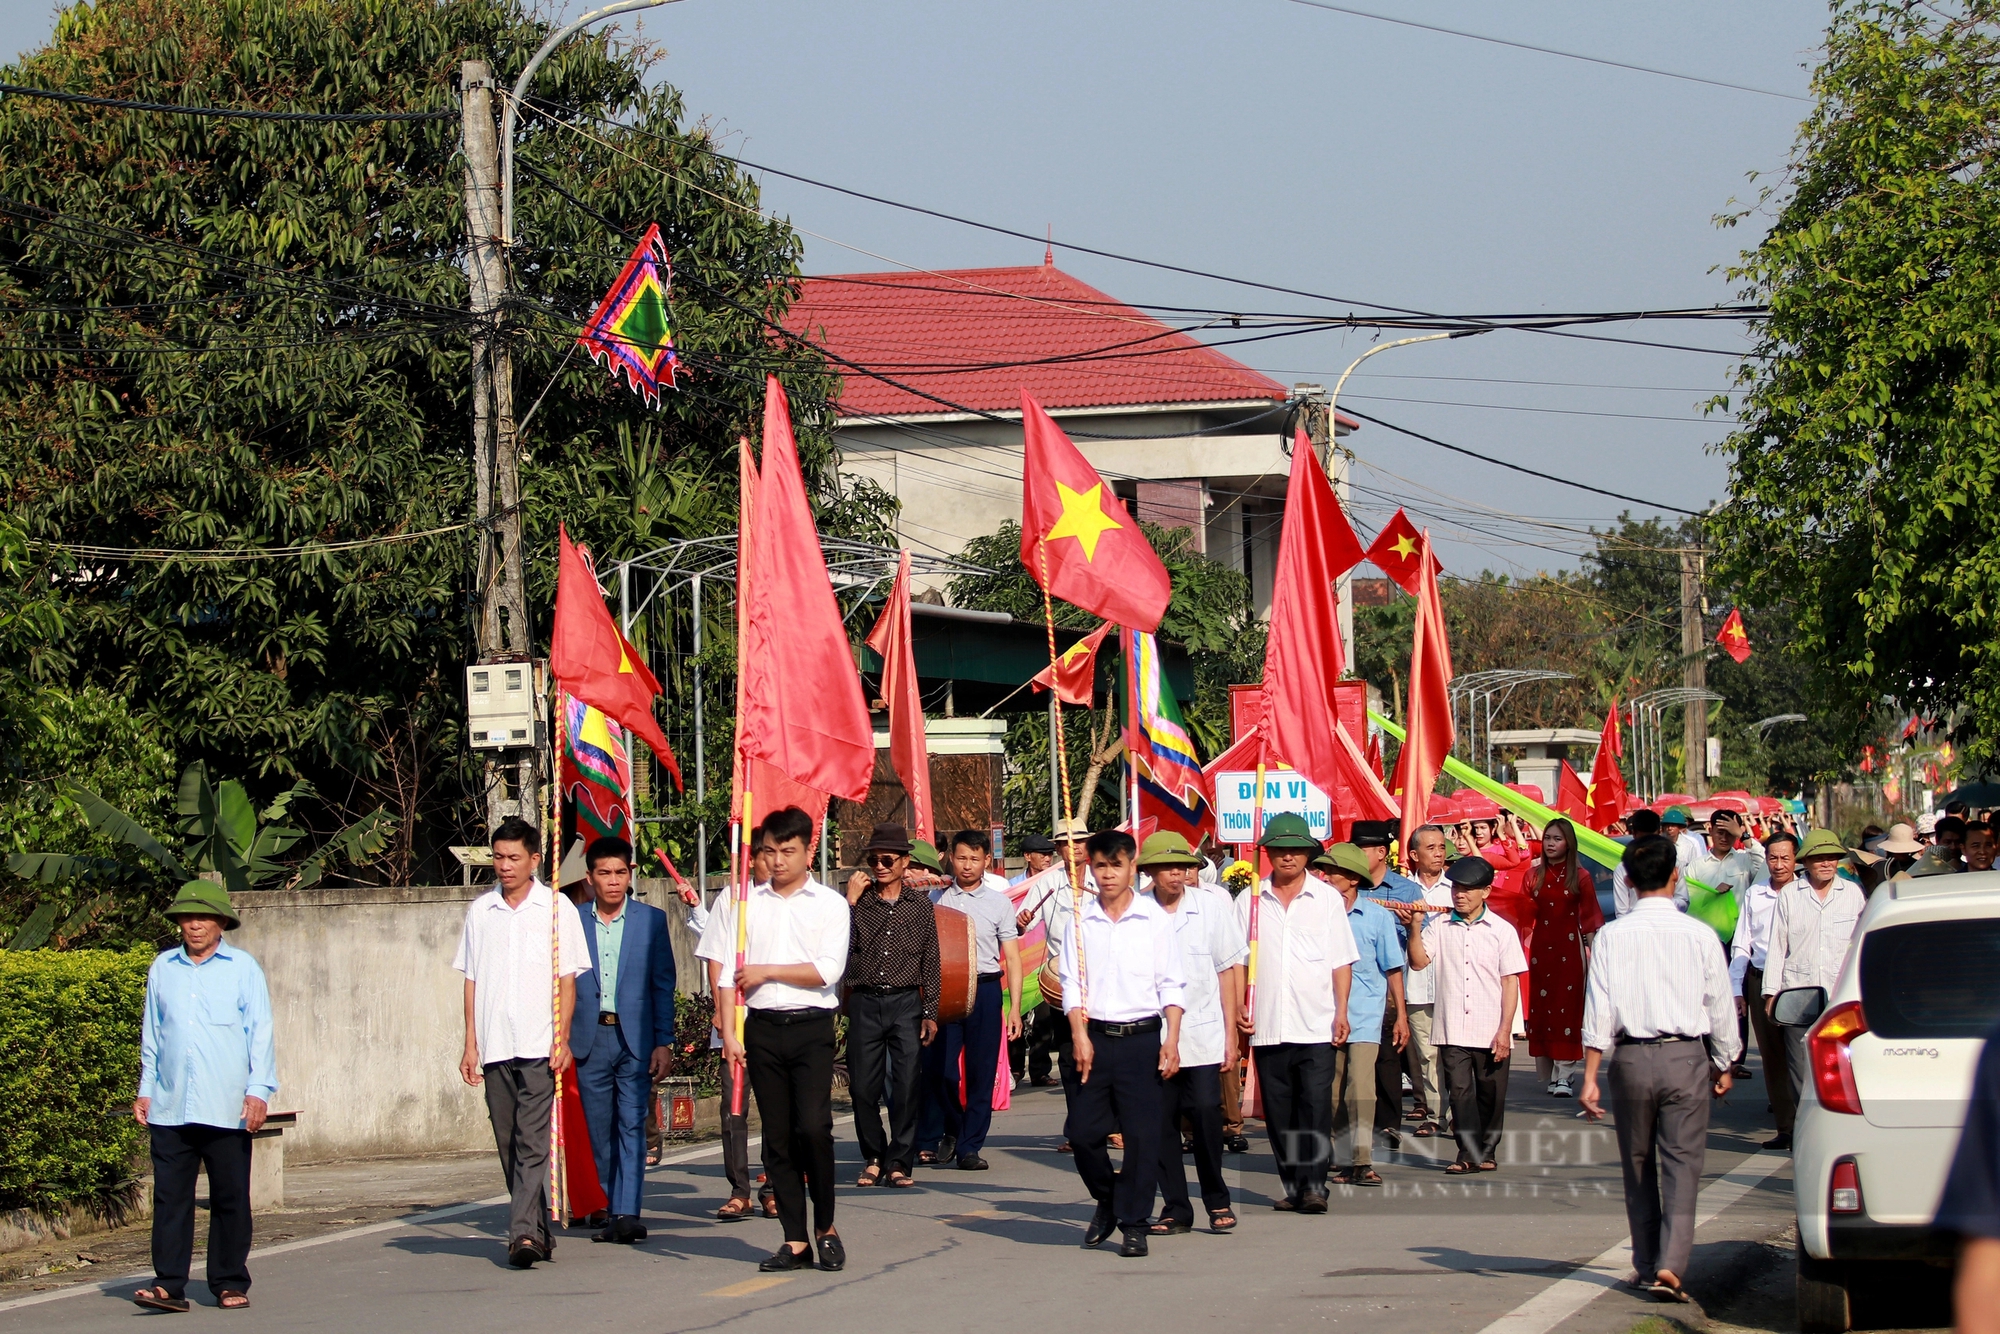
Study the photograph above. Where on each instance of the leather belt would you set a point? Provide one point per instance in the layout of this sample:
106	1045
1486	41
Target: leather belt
1131	1030
1662	1040
874	990
607	1019
989	977
799	1015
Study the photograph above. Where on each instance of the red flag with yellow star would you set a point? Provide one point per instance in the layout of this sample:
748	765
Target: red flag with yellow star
1395	553
1074	674
1735	640
592	660
1077	539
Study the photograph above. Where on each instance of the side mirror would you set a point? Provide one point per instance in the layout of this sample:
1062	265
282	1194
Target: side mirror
1799	1006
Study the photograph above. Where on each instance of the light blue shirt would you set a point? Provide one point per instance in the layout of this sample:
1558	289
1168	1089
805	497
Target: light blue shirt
205	1044
1375	936
610	939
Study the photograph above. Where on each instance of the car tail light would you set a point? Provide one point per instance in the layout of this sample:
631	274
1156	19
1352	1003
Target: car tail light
1832	1066
1843	1195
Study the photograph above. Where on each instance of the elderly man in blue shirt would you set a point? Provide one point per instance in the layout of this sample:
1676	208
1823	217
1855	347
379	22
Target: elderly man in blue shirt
206	1077
1374	1006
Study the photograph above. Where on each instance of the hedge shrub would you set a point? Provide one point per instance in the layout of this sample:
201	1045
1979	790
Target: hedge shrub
69	1028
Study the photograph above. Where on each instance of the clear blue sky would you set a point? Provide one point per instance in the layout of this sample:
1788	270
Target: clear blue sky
1315	150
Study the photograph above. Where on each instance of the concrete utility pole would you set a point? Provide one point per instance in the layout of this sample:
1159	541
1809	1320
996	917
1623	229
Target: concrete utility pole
504	634
1694	672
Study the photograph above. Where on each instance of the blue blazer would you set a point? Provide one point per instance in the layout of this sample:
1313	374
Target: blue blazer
645	1000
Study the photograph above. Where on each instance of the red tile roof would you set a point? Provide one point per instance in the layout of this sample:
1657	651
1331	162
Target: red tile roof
978	336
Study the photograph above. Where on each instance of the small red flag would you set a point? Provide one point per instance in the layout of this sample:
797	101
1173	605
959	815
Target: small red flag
1735	640
1077	539
594	662
1074	674
1572	794
908	752
1607	780
1428	737
1395	552
1303	659
803	712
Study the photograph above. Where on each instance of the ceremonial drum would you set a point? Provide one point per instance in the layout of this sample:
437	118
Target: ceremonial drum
1052	983
958	966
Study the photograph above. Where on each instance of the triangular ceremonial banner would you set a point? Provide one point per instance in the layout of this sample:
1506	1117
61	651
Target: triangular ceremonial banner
803	710
631	331
1077	539
1735	640
1429	724
909	752
1074	674
592	660
1572	794
597	769
1173	790
1395	552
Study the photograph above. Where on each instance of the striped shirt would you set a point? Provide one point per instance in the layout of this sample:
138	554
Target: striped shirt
1659	973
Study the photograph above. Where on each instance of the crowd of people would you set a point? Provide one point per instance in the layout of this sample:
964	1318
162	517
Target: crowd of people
1181	996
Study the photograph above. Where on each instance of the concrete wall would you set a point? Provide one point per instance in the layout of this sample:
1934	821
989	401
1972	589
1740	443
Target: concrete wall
370	1016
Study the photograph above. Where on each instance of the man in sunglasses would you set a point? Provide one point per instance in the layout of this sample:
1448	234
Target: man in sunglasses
892	1008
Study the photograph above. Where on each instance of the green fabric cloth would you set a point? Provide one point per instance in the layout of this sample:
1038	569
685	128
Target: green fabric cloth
610	938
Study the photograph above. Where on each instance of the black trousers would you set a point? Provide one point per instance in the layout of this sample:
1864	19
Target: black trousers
1196	1093
791	1072
1295	1080
179	1152
1122	1094
1476	1087
1390	1066
885	1045
1049	1031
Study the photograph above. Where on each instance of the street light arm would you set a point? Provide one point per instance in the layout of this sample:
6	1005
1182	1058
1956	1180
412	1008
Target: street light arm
1333	402
507	112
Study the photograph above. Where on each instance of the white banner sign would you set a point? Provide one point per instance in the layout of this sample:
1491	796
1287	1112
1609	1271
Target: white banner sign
1284	791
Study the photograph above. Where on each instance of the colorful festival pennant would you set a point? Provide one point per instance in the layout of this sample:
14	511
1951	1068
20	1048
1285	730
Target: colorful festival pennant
597	770
1172	787
631	331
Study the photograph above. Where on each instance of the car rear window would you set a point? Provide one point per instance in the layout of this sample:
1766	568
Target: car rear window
1932	979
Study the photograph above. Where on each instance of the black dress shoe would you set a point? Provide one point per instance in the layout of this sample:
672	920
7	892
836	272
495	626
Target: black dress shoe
1100	1227
1781	1142
1135	1245
832	1255
1235	1144
627	1230
1312	1203
524	1252
972	1163
784	1260
947	1148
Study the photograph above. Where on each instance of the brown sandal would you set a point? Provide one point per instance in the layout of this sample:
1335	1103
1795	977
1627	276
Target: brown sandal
1460	1168
1428	1130
869	1175
155	1298
901	1180
735	1211
231	1300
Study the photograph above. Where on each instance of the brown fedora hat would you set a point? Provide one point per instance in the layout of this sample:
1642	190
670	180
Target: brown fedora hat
888	838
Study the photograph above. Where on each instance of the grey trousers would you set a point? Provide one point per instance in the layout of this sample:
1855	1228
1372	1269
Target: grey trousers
1660	1099
520	1095
1354	1101
1771	1046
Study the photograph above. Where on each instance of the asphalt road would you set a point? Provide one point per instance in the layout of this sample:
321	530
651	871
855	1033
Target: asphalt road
1000	1250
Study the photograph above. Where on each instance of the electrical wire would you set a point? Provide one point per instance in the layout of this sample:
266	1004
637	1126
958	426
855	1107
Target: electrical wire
86	551
231	113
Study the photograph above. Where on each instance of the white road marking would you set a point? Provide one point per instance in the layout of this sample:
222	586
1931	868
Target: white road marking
1570	1294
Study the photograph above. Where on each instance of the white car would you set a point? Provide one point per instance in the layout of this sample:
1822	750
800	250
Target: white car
1891	1056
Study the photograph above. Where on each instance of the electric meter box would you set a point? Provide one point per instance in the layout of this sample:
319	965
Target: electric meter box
501	705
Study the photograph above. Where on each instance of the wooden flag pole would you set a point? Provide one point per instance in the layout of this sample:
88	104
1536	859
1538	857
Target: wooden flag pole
558	1180
739	1011
1062	761
1256	893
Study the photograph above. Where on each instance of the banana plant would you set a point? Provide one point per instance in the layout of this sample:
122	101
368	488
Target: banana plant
223	838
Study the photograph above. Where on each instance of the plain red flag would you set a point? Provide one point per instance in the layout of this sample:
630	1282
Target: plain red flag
1077	539
1394	552
1572	794
594	662
1302	656
1074	674
1428	729
1607	781
1735	640
908	751
803	711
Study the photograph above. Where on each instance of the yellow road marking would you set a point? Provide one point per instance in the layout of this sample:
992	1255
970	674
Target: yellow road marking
750	1285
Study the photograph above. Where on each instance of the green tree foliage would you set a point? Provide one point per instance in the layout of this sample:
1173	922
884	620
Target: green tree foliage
1866	461
241	336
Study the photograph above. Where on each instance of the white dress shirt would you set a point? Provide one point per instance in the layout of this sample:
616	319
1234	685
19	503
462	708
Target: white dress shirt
1297	950
504	953
1735	872
1474	959
1133	965
1210	943
807	926
1623	896
1810	935
1659	973
1420	984
1753	931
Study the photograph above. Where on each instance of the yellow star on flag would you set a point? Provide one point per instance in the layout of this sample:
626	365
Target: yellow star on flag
1404	546
1083	518
1074	651
624	659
